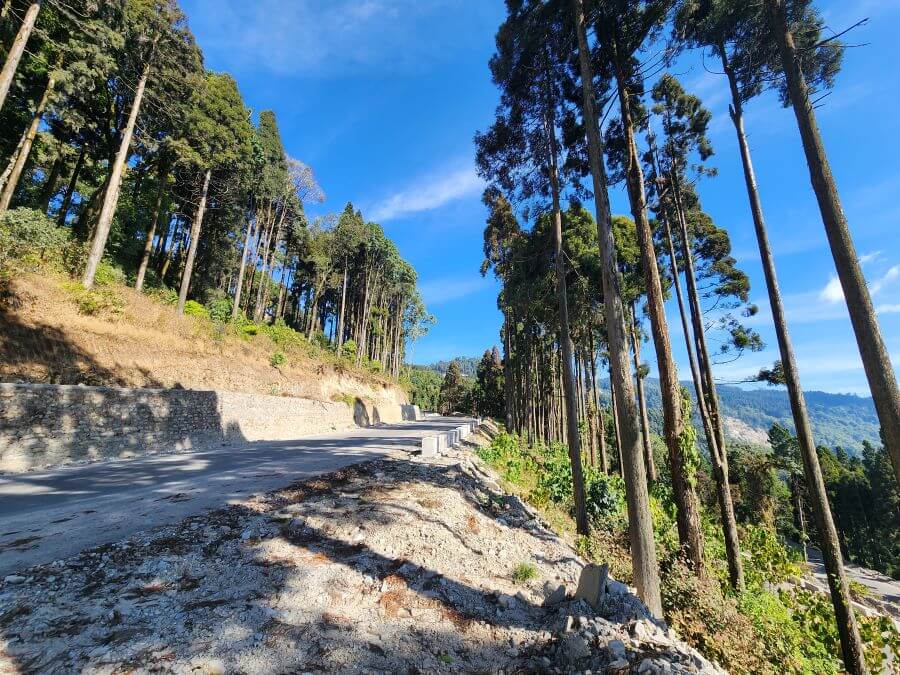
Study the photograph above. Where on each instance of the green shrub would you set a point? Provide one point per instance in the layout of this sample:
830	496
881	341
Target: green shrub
245	328
282	334
508	455
29	237
767	560
782	640
95	301
700	614
108	274
277	359
604	493
523	572
348	350
812	613
220	310
194	308
165	295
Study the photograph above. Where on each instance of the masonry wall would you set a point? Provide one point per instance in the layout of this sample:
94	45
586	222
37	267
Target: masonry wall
51	425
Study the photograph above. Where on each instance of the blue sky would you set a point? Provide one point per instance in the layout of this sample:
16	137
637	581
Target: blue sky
382	98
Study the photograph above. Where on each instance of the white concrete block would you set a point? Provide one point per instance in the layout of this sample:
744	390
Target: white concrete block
431	446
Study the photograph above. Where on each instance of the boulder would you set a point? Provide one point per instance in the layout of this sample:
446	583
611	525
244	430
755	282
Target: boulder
592	585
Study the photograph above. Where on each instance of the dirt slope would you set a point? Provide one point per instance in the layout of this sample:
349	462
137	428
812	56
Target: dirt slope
44	338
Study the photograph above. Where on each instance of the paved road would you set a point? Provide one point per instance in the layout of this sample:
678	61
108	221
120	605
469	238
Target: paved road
880	585
52	515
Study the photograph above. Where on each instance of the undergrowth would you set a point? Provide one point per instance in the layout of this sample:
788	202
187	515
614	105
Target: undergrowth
756	631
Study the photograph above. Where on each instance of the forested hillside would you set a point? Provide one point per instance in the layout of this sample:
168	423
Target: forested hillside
127	161
468	365
839	420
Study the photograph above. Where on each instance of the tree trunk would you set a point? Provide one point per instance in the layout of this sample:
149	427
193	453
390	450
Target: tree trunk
18	166
151	231
340	325
688	506
110	200
195	239
262	290
70	189
565	339
643	551
236	305
851	642
614	406
17	49
874	354
281	291
642	400
51	184
723	487
170	254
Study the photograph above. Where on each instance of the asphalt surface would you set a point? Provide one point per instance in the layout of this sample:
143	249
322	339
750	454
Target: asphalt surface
880	585
51	515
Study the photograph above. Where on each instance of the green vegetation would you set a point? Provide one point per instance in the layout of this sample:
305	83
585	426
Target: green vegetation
182	190
524	572
753	631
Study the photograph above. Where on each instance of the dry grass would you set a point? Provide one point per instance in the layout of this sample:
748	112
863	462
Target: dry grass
44	338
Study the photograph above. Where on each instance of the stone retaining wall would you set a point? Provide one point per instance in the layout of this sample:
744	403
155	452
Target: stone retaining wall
51	425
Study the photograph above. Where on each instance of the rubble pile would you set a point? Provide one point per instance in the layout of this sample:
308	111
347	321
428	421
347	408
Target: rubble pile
390	566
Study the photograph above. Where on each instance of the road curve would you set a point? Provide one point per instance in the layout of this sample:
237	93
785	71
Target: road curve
52	515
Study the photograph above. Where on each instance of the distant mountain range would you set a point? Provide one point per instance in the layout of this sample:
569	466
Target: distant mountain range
843	420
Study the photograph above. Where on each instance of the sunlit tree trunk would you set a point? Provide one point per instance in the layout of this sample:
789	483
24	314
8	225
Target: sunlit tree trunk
851	642
239	284
17	49
875	357
111	198
195	240
151	231
18	165
573	435
688	506
642	399
643	552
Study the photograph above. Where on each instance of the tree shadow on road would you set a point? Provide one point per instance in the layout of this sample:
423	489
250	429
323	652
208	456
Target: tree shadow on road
219	585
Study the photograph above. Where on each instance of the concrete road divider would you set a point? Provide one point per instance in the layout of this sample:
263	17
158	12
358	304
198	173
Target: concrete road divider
435	445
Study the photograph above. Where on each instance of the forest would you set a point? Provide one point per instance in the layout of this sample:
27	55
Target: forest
590	101
126	159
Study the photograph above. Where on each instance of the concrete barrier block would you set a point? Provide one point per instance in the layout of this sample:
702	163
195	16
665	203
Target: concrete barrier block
410	413
431	446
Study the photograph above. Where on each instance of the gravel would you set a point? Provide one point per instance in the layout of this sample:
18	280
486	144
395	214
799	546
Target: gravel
393	565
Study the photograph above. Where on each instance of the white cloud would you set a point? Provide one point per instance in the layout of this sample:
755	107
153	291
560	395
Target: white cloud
887	309
889	276
832	293
428	194
438	291
869	257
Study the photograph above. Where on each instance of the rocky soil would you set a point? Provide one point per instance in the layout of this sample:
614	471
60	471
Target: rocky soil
390	566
